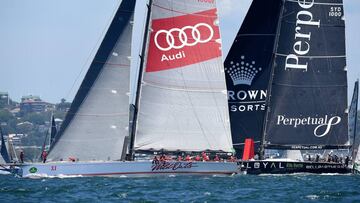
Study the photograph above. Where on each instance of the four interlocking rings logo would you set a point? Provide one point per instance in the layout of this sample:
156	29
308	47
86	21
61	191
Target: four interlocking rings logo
184	39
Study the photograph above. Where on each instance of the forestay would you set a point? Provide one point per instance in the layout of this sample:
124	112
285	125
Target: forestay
183	103
97	122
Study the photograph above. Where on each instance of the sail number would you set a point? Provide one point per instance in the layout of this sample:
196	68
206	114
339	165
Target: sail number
335	11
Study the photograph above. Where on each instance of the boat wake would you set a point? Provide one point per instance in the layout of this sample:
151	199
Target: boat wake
60	176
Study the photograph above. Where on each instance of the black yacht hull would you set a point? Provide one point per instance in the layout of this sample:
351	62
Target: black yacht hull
288	167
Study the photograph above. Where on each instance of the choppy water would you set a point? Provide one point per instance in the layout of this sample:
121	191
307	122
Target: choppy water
241	188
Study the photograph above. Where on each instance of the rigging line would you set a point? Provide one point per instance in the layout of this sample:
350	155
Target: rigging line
192	105
178	88
181	12
246	35
92	52
113	64
318	3
222	73
134	84
240	144
102	115
308	86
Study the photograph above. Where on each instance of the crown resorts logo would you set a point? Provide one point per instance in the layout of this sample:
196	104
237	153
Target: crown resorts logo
242	72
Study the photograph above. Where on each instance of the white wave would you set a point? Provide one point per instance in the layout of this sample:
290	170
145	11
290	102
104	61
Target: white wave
61	176
312	197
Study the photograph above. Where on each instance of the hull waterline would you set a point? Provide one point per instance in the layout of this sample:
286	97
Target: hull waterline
289	167
136	168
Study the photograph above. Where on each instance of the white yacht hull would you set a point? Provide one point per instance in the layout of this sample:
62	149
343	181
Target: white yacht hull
4	170
131	168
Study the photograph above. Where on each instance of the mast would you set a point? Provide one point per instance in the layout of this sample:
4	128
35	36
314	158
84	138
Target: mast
138	88
267	102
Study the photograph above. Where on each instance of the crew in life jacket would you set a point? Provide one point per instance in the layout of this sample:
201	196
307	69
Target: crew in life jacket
197	158
204	156
188	158
179	158
162	158
232	158
216	158
44	156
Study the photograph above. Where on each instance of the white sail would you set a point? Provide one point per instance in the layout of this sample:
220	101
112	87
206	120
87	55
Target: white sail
183	102
2	161
97	122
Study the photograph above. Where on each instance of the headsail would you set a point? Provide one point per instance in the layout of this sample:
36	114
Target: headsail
97	122
308	93
355	140
183	104
53	130
247	70
50	136
3	151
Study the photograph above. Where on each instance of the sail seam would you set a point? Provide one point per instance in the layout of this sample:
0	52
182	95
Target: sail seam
309	86
180	12
338	56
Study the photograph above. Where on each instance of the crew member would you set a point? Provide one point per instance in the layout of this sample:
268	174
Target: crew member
44	156
162	158
155	160
204	156
187	158
22	155
197	158
347	159
216	158
232	158
317	158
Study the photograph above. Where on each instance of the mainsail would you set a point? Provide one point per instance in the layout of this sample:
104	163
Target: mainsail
98	119
247	70
308	92
4	155
182	102
355	140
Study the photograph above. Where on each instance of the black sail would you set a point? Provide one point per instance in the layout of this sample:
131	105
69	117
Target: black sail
3	150
308	92
355	140
247	68
53	131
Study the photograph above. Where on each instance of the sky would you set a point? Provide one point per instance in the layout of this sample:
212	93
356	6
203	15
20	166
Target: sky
46	46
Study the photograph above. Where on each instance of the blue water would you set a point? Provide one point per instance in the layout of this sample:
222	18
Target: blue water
284	188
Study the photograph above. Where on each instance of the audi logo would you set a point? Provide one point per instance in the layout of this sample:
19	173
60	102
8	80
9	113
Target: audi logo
195	34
